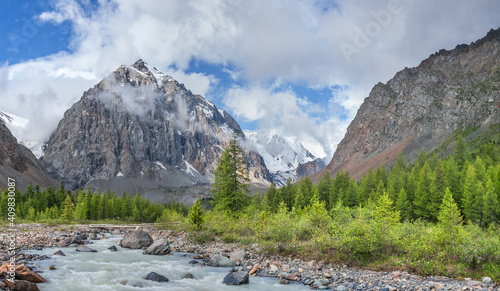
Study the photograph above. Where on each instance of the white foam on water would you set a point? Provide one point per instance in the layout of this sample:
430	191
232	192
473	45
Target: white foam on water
105	270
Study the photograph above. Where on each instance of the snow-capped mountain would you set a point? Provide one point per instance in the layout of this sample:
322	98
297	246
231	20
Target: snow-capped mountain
141	130
15	123
283	155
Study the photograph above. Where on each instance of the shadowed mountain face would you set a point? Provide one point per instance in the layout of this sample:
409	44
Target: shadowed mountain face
140	130
421	108
18	163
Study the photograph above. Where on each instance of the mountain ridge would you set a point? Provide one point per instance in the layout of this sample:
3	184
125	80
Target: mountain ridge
421	107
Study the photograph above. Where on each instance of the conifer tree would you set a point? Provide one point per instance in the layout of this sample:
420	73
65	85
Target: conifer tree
196	215
449	216
403	205
81	208
68	208
324	186
422	194
384	212
368	183
230	190
300	201
438	186
469	194
491	209
460	154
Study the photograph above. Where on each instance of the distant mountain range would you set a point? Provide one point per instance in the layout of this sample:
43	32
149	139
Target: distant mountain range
285	157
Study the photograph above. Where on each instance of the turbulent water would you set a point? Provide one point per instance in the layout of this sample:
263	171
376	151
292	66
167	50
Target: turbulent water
105	270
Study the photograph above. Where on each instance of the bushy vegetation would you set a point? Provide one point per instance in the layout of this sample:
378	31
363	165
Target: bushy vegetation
437	216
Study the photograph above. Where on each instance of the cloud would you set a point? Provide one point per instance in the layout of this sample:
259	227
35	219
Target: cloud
282	110
346	44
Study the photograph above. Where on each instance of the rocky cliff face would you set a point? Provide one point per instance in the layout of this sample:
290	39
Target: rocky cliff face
17	162
139	130
420	108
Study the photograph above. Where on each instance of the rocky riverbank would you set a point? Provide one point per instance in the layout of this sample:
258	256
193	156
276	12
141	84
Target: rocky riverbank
246	259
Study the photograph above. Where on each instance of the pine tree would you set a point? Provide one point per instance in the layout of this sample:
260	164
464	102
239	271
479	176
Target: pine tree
469	194
300	201
351	196
491	209
196	215
324	186
461	154
384	212
368	183
422	194
438	186
68	208
403	205
449	216
230	190
81	208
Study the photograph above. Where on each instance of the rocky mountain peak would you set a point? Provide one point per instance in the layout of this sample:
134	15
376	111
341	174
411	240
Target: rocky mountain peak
140	129
422	107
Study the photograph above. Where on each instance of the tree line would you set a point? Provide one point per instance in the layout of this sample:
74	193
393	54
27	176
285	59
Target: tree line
82	205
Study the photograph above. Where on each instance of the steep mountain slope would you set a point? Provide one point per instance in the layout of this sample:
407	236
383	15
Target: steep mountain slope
422	107
140	130
17	162
284	155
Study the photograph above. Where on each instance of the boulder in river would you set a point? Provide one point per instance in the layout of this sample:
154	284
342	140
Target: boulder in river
137	239
221	261
113	248
22	285
23	273
67	241
159	248
59	253
85	249
236	278
156	277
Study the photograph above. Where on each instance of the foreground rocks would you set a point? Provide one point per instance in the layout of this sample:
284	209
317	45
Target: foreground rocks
248	260
156	277
137	239
159	248
236	278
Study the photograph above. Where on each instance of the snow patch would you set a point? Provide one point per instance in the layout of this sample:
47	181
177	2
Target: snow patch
160	164
190	169
120	174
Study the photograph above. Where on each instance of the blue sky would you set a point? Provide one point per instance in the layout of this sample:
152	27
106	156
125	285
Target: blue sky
301	68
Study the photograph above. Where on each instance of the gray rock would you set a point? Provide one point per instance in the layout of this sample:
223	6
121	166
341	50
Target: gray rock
193	262
188	276
236	278
156	277
67	241
59	253
239	256
221	261
113	248
342	288
486	280
136	239
472	283
85	249
159	248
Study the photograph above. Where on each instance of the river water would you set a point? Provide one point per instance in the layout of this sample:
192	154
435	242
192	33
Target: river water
105	270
